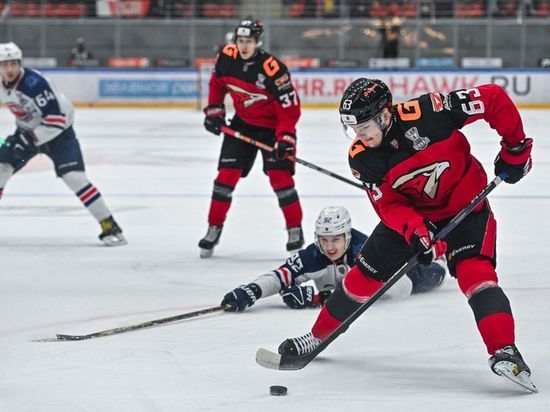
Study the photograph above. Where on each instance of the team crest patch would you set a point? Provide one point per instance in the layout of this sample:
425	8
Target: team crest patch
437	102
419	142
356	174
261	81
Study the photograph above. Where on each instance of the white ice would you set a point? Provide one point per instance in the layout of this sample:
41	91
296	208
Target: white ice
155	169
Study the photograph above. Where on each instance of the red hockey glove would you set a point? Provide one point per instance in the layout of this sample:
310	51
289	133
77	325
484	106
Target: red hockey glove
422	241
215	117
514	161
285	146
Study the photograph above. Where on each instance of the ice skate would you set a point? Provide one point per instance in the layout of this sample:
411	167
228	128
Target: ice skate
299	346
111	234
295	239
210	240
508	362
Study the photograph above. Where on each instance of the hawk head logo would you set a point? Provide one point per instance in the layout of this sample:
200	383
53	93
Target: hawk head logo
245	97
423	181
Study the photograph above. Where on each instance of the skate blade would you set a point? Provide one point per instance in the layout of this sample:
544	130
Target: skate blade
114	240
506	370
206	253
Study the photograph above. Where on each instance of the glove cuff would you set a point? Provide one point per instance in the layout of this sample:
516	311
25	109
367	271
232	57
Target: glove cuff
516	155
256	289
411	226
287	137
214	110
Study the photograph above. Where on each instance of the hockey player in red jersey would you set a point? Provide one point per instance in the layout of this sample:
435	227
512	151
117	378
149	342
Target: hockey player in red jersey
420	173
267	107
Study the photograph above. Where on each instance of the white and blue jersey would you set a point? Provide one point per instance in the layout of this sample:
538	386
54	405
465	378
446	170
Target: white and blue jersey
311	264
37	106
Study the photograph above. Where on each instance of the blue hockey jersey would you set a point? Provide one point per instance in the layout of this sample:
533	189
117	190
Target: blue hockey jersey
37	106
311	264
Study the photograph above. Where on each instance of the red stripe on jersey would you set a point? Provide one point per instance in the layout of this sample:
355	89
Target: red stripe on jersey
92	191
55	119
286	276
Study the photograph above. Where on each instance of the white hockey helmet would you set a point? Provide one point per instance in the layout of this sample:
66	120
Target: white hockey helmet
10	51
332	221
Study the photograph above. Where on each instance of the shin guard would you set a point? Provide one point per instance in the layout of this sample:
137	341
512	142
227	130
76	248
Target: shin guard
355	289
282	183
222	195
493	314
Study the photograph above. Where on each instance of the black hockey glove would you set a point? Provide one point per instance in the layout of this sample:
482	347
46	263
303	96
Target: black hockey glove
514	161
300	297
422	242
285	146
241	298
215	117
23	144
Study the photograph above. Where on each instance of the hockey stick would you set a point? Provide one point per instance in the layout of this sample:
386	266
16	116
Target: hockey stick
162	321
272	360
263	146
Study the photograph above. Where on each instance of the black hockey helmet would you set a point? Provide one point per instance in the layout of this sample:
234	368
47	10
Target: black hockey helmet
363	100
249	28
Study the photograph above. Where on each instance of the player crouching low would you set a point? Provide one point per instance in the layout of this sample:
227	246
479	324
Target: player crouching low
44	120
326	262
420	174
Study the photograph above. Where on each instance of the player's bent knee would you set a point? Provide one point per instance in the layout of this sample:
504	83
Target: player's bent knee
229	177
475	274
359	287
280	179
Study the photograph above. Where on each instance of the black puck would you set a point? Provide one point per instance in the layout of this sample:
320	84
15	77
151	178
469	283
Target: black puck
277	390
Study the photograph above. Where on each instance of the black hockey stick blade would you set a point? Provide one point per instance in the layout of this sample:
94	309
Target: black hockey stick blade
155	322
272	360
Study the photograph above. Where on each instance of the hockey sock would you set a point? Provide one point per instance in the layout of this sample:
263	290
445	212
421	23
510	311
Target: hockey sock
282	183
88	194
222	195
354	290
6	172
495	322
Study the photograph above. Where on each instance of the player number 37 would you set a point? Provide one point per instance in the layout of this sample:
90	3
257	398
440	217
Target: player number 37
288	99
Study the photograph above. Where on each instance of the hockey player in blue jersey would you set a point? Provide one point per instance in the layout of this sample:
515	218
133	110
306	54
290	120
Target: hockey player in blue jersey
44	124
325	262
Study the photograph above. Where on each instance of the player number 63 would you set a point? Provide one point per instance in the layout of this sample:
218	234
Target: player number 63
473	106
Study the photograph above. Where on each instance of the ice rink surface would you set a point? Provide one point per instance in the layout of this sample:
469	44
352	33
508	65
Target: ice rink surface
155	169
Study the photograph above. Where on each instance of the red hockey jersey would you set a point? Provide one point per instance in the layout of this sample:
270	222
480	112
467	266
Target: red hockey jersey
261	89
424	167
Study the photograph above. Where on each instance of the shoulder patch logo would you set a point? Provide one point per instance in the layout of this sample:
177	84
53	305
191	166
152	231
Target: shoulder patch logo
424	180
419	142
437	102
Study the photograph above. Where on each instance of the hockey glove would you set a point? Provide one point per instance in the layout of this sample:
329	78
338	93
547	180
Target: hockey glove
285	146
23	144
215	118
422	242
514	161
241	298
300	297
